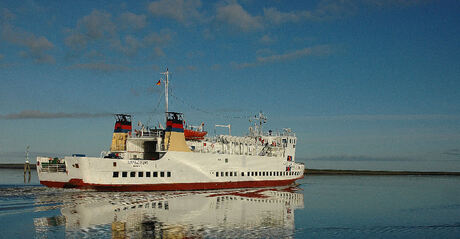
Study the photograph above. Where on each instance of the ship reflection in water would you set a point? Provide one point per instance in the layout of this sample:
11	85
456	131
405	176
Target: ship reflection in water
243	213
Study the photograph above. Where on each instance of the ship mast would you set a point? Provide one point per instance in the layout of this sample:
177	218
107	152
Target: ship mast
166	87
261	120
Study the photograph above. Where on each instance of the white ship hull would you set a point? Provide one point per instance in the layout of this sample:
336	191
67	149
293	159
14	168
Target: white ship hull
174	171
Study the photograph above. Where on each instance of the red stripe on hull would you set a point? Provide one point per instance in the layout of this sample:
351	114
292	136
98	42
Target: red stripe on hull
78	183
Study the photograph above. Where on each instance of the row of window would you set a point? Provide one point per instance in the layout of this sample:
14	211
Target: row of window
161	174
291	141
272	173
146	205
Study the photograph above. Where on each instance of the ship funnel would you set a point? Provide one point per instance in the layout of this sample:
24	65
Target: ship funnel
122	129
174	133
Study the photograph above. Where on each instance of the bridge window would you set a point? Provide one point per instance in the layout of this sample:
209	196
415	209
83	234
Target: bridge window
226	174
168	174
132	174
231	174
140	174
115	174
162	174
155	174
147	174
242	174
217	174
124	174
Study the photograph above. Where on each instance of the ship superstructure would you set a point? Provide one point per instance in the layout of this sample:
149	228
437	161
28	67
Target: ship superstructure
169	159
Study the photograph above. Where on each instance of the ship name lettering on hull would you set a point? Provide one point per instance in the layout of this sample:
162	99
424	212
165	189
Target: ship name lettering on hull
137	163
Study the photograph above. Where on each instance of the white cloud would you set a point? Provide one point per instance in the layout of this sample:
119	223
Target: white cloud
97	25
330	10
158	51
76	41
93	54
207	34
6	15
130	20
182	11
235	16
273	15
266	39
316	50
100	67
129	47
320	50
36	47
164	37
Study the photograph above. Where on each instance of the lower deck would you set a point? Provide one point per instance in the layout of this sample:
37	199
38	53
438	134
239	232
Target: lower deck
175	171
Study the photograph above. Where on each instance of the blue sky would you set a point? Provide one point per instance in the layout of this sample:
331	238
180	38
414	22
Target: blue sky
354	79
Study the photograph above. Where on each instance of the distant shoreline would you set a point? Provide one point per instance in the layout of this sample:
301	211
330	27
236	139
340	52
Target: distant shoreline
16	165
376	172
308	171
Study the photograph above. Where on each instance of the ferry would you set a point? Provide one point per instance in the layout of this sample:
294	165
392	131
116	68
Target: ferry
177	158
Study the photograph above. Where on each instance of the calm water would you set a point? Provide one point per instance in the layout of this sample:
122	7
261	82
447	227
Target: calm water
320	207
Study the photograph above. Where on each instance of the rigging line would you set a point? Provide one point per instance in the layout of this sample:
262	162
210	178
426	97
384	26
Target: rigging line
207	112
189	105
170	91
155	109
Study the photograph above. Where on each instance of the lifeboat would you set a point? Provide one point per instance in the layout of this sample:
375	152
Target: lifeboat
194	135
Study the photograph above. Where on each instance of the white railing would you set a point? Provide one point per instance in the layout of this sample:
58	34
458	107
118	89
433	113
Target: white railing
53	168
145	134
